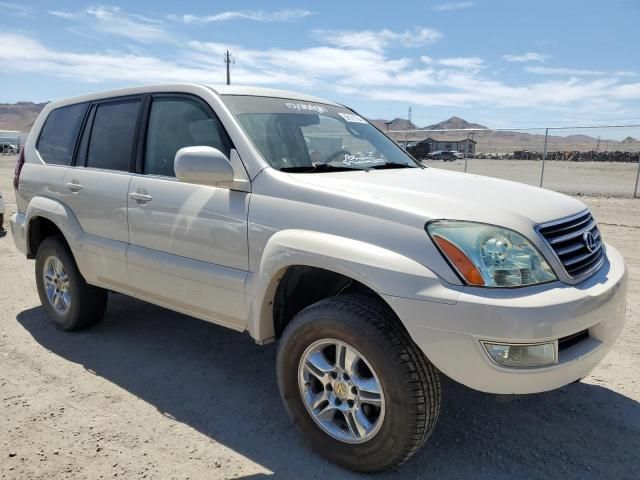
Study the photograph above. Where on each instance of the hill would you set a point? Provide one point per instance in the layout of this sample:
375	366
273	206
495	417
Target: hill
19	116
395	124
499	141
455	122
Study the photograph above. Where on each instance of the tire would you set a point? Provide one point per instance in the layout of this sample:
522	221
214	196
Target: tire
86	304
409	382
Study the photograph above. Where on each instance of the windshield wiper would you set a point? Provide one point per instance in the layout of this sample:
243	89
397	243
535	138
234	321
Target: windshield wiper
388	165
320	167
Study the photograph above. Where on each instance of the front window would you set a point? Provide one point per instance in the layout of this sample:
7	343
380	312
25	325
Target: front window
300	136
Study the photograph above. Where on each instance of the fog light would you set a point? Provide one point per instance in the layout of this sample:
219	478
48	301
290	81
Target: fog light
522	355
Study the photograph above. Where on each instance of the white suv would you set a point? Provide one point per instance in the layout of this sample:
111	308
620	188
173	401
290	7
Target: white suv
294	219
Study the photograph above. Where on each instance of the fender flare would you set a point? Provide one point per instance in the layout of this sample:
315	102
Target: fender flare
384	271
57	213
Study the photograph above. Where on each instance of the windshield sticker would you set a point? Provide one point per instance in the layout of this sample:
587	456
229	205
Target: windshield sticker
354	160
306	107
350	117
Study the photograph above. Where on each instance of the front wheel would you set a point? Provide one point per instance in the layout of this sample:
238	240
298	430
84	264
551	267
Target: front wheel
354	383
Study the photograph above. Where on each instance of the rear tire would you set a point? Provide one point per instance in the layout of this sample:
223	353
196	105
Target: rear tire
410	387
70	303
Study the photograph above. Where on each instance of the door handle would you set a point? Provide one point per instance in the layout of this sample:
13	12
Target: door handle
140	197
74	186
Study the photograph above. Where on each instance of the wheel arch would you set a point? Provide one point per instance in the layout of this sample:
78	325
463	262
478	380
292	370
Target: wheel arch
350	264
46	217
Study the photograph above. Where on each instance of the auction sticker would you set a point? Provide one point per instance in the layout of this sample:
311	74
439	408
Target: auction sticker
350	117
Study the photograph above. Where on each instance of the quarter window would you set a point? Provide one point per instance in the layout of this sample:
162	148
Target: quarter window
113	134
58	137
175	123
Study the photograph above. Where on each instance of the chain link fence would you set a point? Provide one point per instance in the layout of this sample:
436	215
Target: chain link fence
602	160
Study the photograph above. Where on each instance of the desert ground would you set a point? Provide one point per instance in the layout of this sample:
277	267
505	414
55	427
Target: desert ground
577	178
153	394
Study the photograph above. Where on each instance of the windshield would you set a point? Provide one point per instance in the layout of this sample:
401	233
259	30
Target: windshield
306	137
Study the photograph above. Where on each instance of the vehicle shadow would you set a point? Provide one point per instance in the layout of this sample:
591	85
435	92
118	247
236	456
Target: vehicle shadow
223	385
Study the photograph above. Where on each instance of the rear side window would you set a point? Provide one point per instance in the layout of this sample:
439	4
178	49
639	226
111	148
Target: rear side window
112	135
180	122
58	137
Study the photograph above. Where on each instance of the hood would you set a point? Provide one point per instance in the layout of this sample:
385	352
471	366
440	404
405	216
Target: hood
435	193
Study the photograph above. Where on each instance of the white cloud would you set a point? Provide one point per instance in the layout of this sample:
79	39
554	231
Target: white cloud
309	66
575	72
115	21
15	9
63	14
526	57
377	41
283	15
358	72
446	7
630	90
426	59
471	63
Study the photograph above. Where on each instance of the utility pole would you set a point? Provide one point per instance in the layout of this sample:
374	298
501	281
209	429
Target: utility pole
228	60
598	145
406	134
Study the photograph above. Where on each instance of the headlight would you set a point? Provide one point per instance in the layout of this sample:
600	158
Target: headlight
489	256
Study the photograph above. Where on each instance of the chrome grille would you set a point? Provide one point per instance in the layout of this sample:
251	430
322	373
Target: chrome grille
576	242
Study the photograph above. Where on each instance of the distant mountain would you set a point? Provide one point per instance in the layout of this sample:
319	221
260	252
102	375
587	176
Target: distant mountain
19	116
454	122
395	124
500	141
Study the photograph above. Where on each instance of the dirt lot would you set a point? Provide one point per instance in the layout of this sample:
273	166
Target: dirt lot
153	394
582	178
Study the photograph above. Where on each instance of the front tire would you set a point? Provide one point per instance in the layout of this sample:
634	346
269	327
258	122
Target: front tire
354	383
70	302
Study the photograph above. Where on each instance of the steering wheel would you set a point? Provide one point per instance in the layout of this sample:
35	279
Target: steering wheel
335	155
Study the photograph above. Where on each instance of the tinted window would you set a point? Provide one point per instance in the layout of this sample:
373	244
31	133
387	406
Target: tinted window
58	137
112	135
175	123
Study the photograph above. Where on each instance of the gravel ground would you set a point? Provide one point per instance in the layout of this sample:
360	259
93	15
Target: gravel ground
154	394
583	178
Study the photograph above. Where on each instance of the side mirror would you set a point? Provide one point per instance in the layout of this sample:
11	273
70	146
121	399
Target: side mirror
203	166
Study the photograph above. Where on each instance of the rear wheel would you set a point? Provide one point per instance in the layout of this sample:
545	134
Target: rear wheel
354	383
70	302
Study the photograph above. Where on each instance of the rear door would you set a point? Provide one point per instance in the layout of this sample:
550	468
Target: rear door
55	146
96	187
188	243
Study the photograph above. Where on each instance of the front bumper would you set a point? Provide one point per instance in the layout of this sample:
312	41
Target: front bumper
450	335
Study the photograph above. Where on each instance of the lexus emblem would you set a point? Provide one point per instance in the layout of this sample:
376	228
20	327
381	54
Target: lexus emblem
590	240
341	389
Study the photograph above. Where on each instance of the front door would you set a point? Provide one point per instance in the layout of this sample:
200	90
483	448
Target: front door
188	243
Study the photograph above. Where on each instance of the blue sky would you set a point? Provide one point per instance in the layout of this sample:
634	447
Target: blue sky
499	63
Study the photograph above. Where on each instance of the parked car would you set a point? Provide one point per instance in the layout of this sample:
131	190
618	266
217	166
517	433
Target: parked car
445	155
374	273
8	148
